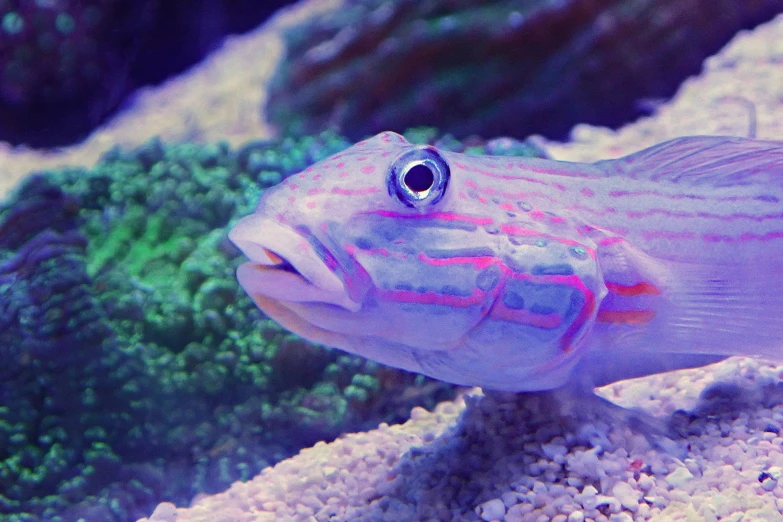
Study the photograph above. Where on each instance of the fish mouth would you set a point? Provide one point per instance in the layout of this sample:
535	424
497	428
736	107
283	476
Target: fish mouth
280	263
286	265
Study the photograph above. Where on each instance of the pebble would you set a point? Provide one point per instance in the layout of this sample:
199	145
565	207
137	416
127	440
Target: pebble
679	477
491	510
628	497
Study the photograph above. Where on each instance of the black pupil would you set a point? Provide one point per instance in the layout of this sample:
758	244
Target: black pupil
419	178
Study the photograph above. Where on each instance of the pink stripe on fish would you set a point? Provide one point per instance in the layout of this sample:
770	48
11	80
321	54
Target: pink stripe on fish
747	236
705	215
514	196
593	211
499	310
495	175
446	216
664	234
645	193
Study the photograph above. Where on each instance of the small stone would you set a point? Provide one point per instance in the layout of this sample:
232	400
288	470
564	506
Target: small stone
576	516
491	510
510	498
611	502
628	497
645	482
679	477
554	451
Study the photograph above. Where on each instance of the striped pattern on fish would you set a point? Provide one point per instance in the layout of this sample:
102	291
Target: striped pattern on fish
524	273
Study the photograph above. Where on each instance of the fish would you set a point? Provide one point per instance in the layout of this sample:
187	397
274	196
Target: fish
524	274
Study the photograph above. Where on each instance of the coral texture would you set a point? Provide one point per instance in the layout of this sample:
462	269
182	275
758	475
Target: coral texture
131	353
512	458
495	67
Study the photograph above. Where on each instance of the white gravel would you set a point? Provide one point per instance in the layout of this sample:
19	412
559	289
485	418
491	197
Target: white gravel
515	458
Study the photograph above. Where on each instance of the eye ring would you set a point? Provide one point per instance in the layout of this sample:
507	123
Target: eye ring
418	178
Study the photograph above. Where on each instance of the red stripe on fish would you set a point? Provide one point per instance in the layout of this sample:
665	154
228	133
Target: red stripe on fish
625	316
498	309
642	288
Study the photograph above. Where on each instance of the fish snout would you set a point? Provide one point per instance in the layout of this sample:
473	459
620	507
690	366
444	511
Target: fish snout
284	264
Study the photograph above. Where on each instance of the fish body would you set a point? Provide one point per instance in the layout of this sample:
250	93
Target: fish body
525	274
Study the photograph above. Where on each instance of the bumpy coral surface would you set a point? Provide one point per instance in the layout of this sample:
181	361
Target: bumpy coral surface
496	67
134	368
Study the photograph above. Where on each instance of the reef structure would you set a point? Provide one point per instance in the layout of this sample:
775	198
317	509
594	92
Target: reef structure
134	369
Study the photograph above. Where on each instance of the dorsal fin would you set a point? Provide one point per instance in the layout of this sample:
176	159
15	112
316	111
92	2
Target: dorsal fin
720	161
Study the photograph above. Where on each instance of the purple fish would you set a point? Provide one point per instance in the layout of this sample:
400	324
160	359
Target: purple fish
526	274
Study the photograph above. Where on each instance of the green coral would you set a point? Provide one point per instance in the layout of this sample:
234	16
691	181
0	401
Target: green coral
192	387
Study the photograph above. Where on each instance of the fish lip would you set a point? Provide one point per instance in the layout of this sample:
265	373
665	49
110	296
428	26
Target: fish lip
283	261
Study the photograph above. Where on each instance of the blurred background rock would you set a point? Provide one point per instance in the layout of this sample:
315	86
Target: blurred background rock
496	67
67	65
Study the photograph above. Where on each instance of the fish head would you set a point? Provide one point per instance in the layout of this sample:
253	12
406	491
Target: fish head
383	251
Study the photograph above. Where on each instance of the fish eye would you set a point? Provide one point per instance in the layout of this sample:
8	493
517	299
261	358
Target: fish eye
418	178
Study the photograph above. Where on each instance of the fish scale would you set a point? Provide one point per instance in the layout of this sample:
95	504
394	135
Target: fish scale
524	273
